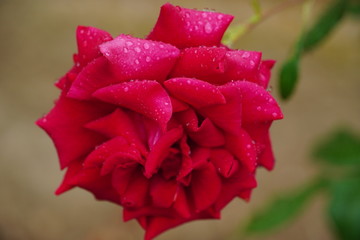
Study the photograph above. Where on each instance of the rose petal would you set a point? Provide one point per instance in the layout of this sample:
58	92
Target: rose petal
181	204
88	41
242	147
104	151
204	63
135	58
258	104
224	162
226	116
184	27
68	118
194	92
241	64
161	150
121	177
259	132
205	187
97	74
163	192
145	97
235	185
207	135
147	211
90	180
262	78
136	194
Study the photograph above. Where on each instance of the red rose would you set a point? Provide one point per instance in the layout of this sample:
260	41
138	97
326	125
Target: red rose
171	127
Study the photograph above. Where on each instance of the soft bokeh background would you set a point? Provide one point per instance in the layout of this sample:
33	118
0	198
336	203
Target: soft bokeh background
36	44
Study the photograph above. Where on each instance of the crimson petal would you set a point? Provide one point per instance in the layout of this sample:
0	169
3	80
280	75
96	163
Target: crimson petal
204	63
97	74
193	28
68	118
88	41
162	191
194	92
160	150
135	58
145	97
258	104
205	187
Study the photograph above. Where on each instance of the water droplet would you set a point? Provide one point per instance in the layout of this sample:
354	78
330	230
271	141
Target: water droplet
137	61
258	108
274	114
246	55
220	17
252	63
126	89
146	46
137	49
129	43
126	50
107	54
187	15
248	146
148	59
208	28
166	103
161	46
188	81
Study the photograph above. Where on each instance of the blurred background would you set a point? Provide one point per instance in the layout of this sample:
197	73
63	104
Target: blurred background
37	41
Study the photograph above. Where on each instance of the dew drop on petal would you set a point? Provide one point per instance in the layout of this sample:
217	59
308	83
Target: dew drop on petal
146	46
137	49
274	114
208	28
148	59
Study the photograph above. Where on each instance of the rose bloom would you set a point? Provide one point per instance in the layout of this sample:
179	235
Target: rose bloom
171	127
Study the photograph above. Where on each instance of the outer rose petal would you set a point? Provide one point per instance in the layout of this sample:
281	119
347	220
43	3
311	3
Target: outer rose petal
134	58
97	74
263	76
68	118
241	64
145	97
194	92
204	63
184	27
227	117
88	41
233	186
258	104
259	132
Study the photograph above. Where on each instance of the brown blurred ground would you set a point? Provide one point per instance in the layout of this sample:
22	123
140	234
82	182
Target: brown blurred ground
37	41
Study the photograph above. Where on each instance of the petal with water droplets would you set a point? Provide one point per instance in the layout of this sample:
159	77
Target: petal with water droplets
145	97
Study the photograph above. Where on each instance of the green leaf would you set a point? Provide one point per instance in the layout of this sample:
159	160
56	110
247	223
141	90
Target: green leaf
344	208
354	8
282	209
288	77
341	148
325	24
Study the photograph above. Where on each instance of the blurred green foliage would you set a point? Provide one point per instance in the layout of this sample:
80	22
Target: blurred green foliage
309	39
